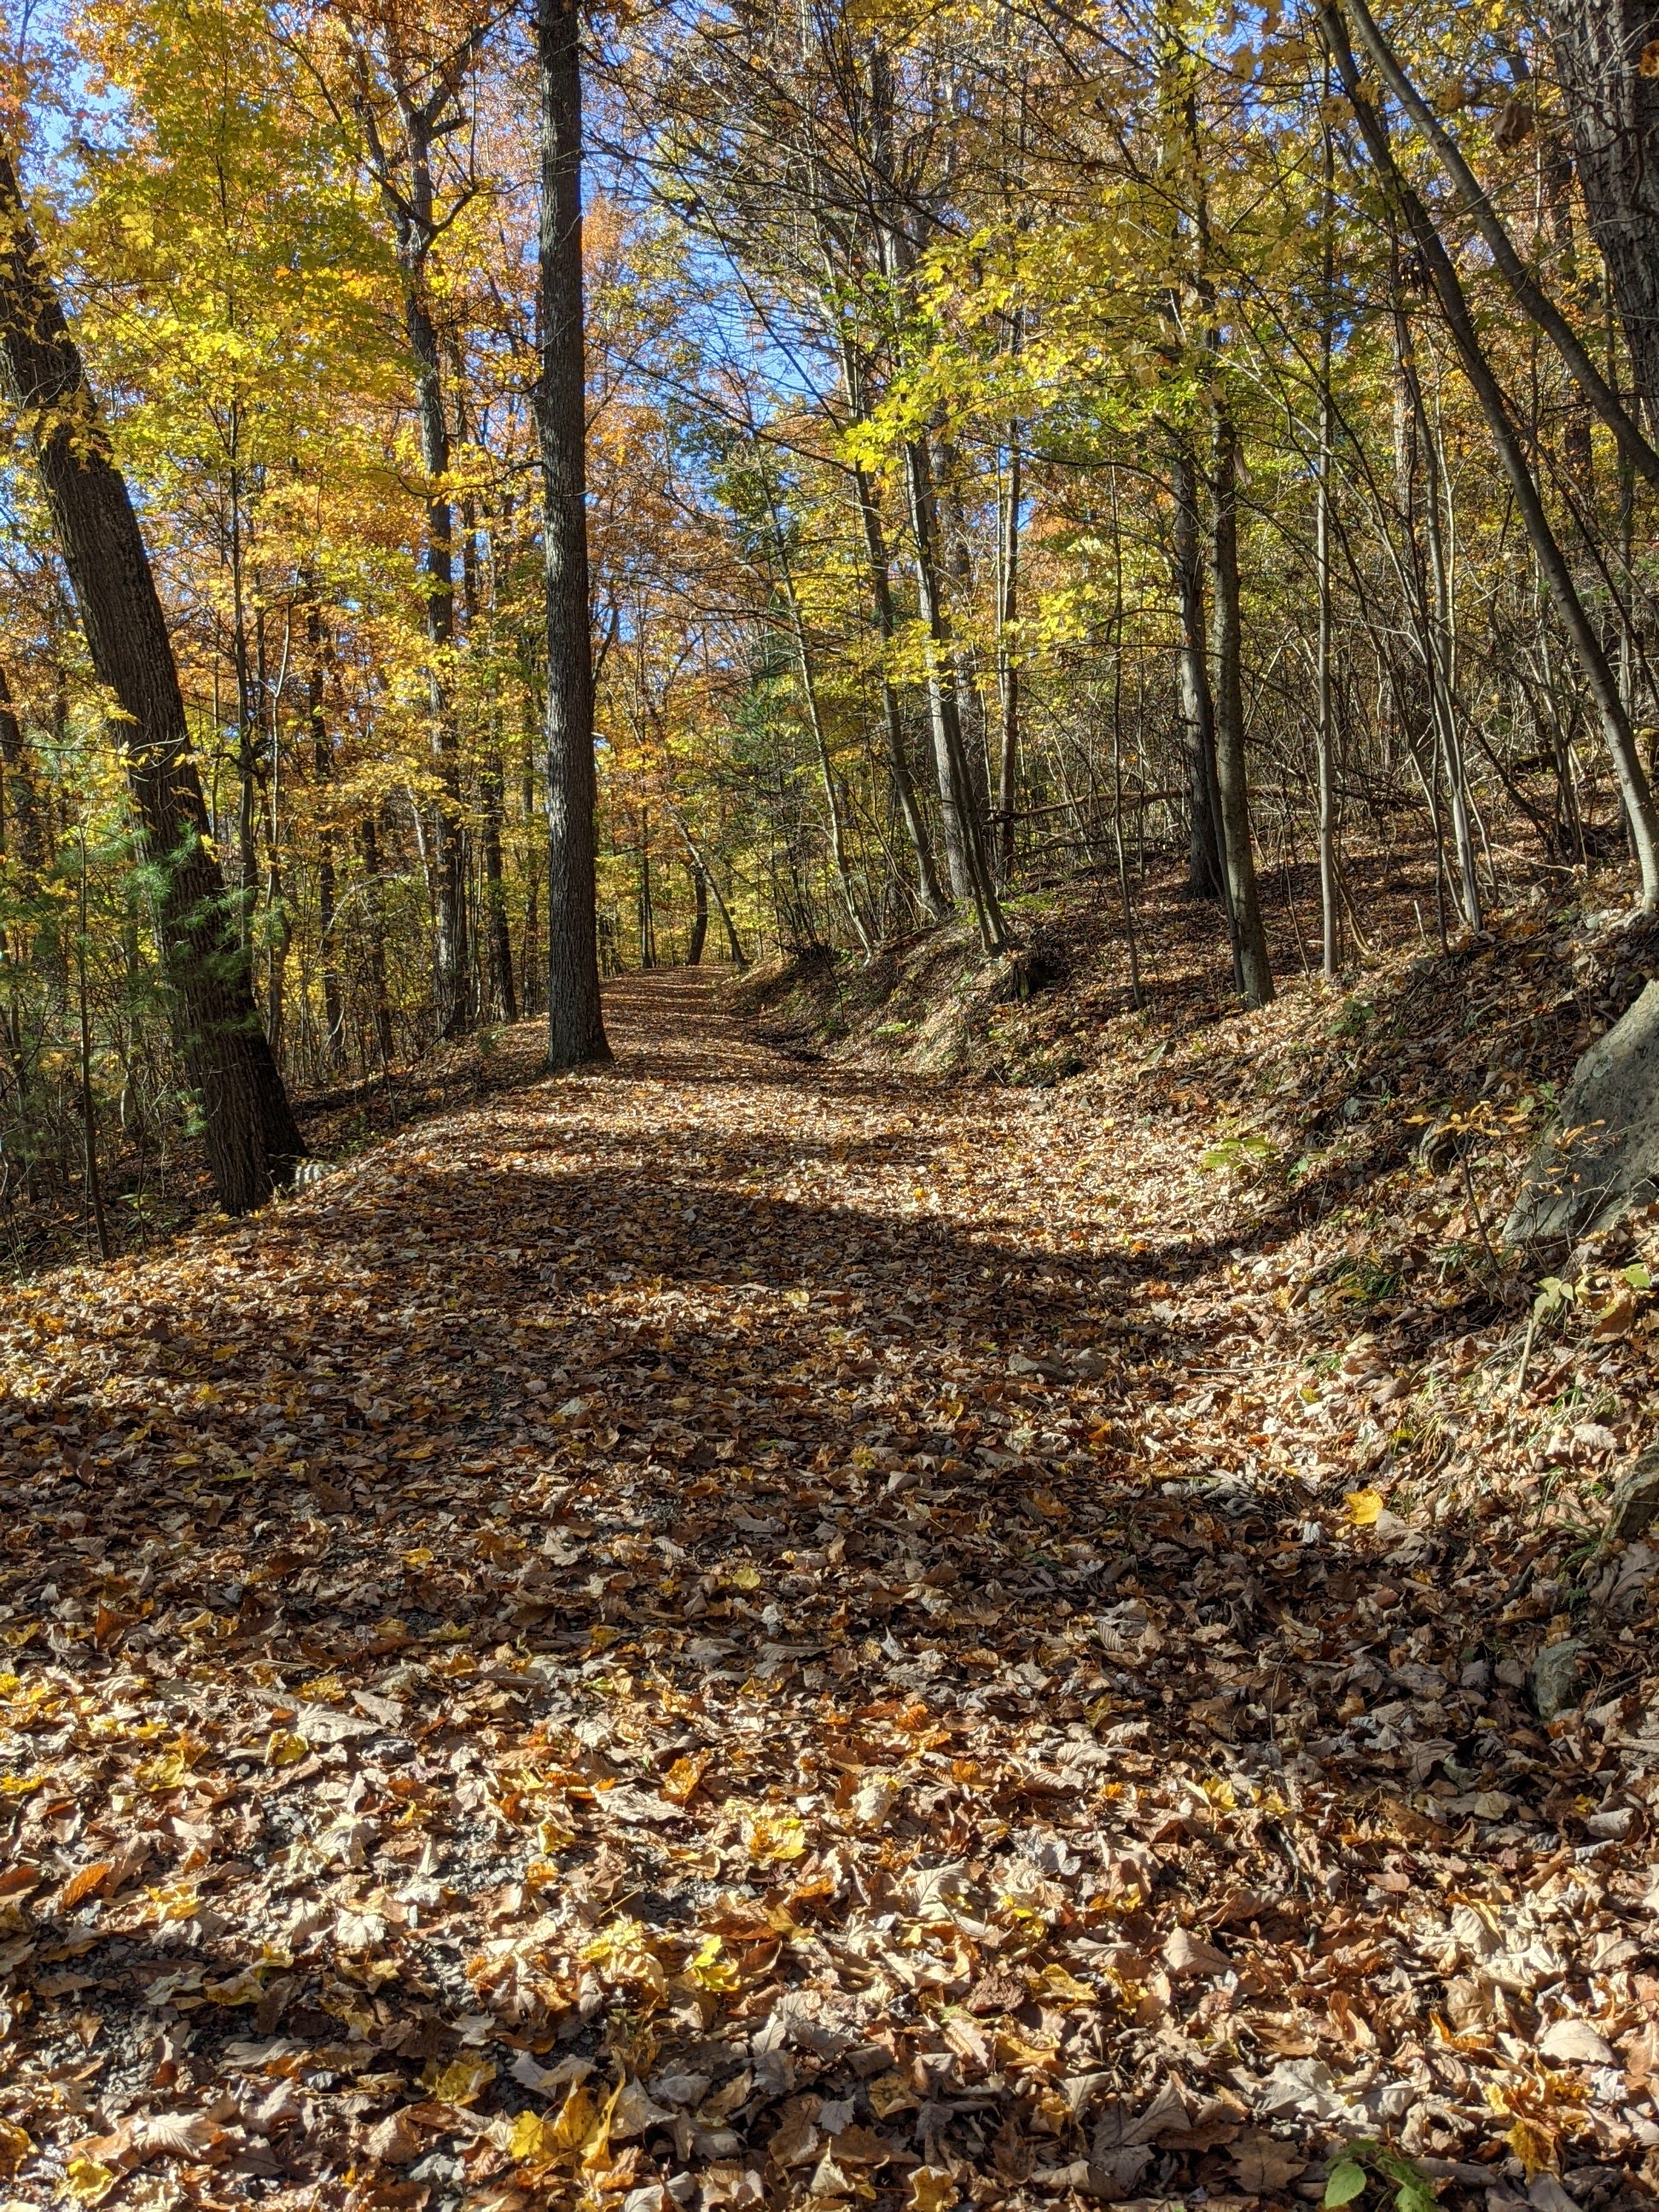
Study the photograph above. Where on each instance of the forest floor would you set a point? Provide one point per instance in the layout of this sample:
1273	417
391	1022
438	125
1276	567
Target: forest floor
730	1630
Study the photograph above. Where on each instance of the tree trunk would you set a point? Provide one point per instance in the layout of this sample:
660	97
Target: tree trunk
368	839
576	1024
252	1142
1251	970
322	755
1613	103
1007	662
414	218
964	849
501	936
932	899
1205	877
699	936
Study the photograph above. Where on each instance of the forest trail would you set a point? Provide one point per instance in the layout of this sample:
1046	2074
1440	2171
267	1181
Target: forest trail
731	1627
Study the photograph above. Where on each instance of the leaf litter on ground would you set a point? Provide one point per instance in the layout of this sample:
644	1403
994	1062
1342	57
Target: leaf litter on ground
717	1633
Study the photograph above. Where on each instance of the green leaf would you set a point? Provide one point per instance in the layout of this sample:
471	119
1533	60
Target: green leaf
1638	1278
1346	2182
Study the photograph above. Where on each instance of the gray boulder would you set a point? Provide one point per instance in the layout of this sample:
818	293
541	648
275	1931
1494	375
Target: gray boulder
1600	1155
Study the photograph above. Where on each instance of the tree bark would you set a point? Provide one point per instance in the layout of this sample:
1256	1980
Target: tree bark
575	1023
500	933
1008	535
252	1142
368	844
1252	971
965	848
699	933
1205	877
322	756
1613	107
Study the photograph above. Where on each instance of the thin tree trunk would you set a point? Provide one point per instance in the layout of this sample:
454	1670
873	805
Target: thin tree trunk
252	1141
815	720
89	1110
1253	974
932	899
1008	537
446	833
575	1023
1206	876
1325	741
733	942
322	756
501	936
699	933
368	841
963	845
22	793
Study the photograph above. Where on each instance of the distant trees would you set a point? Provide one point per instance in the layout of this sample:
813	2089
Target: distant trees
912	459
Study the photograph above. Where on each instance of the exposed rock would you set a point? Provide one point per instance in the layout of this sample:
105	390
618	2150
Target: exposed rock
1635	1504
1555	1674
1600	1155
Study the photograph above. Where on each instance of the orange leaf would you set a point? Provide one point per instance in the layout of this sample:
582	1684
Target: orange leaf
85	1881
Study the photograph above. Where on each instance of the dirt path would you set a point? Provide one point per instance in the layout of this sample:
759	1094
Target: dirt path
725	1627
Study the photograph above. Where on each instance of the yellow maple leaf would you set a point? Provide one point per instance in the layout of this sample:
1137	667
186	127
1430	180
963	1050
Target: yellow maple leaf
285	1748
931	2189
711	1969
1067	1987
1534	2146
624	1951
773	1837
1364	1507
458	2082
573	2128
531	2143
14	2147
680	1783
174	1900
87	2182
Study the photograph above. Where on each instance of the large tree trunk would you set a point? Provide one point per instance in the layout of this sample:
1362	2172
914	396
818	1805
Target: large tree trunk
252	1142
575	1025
1601	46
